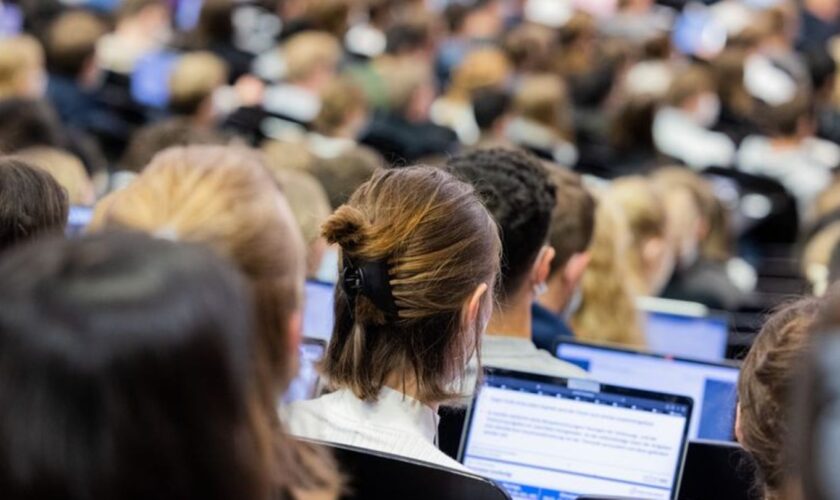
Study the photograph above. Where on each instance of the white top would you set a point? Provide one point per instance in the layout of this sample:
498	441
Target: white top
805	170
395	424
676	135
520	354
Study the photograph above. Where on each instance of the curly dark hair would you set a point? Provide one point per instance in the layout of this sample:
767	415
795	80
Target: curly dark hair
516	189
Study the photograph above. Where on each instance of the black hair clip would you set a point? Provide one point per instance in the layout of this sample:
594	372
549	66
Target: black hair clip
371	279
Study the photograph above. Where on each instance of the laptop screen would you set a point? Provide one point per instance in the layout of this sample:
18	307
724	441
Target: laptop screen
550	438
318	312
305	384
686	336
712	386
78	218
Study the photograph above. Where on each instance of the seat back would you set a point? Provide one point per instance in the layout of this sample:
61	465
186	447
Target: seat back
374	475
717	470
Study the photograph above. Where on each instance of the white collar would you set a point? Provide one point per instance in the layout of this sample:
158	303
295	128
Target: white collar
507	345
394	409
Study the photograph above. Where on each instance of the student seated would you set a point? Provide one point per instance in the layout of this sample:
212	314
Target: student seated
517	190
32	203
764	389
570	233
126	374
607	311
225	198
419	258
650	255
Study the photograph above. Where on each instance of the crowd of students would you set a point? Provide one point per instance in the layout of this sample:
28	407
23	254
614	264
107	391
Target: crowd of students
479	179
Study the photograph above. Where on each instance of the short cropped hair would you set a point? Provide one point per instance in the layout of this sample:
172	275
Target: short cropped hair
71	41
32	203
305	52
152	139
18	56
520	195
573	219
195	76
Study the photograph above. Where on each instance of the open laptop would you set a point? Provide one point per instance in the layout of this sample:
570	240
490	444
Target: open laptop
305	384
684	329
318	311
552	438
712	386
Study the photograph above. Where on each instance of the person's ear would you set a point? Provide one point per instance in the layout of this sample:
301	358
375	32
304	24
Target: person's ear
542	267
653	249
473	305
573	272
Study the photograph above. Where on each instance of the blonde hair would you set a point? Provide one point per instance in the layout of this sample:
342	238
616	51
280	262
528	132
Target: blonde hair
608	311
19	57
66	169
339	100
438	244
225	197
544	99
402	79
482	68
194	79
644	210
309	51
310	206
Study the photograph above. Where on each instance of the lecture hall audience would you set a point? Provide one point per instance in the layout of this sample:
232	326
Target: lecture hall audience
478	180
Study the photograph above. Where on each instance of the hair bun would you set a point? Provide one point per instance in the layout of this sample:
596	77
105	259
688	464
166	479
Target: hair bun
347	227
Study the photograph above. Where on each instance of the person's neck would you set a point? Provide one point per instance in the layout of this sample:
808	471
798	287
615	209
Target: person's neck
407	385
555	298
513	319
788	142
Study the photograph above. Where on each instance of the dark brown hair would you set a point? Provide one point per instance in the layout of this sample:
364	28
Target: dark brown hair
124	373
439	243
573	219
31	203
764	389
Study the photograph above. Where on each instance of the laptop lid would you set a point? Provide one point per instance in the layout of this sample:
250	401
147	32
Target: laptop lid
305	384
318	311
544	437
684	329
712	386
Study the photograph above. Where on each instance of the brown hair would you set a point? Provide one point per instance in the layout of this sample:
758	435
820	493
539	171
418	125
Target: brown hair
688	82
225	197
480	69
573	219
32	203
439	243
66	169
339	100
18	57
342	175
608	311
306	52
764	389
71	41
544	99
150	140
195	76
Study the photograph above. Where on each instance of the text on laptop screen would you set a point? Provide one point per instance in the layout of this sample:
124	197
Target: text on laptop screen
546	438
687	337
318	313
305	384
713	387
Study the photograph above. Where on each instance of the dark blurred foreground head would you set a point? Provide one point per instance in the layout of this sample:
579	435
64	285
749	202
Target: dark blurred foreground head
124	373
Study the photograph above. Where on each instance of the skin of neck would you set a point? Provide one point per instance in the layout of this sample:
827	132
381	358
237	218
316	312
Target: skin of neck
407	384
556	296
513	318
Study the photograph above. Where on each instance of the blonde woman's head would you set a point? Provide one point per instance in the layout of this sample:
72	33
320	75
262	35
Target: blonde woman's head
67	169
22	71
608	312
650	253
